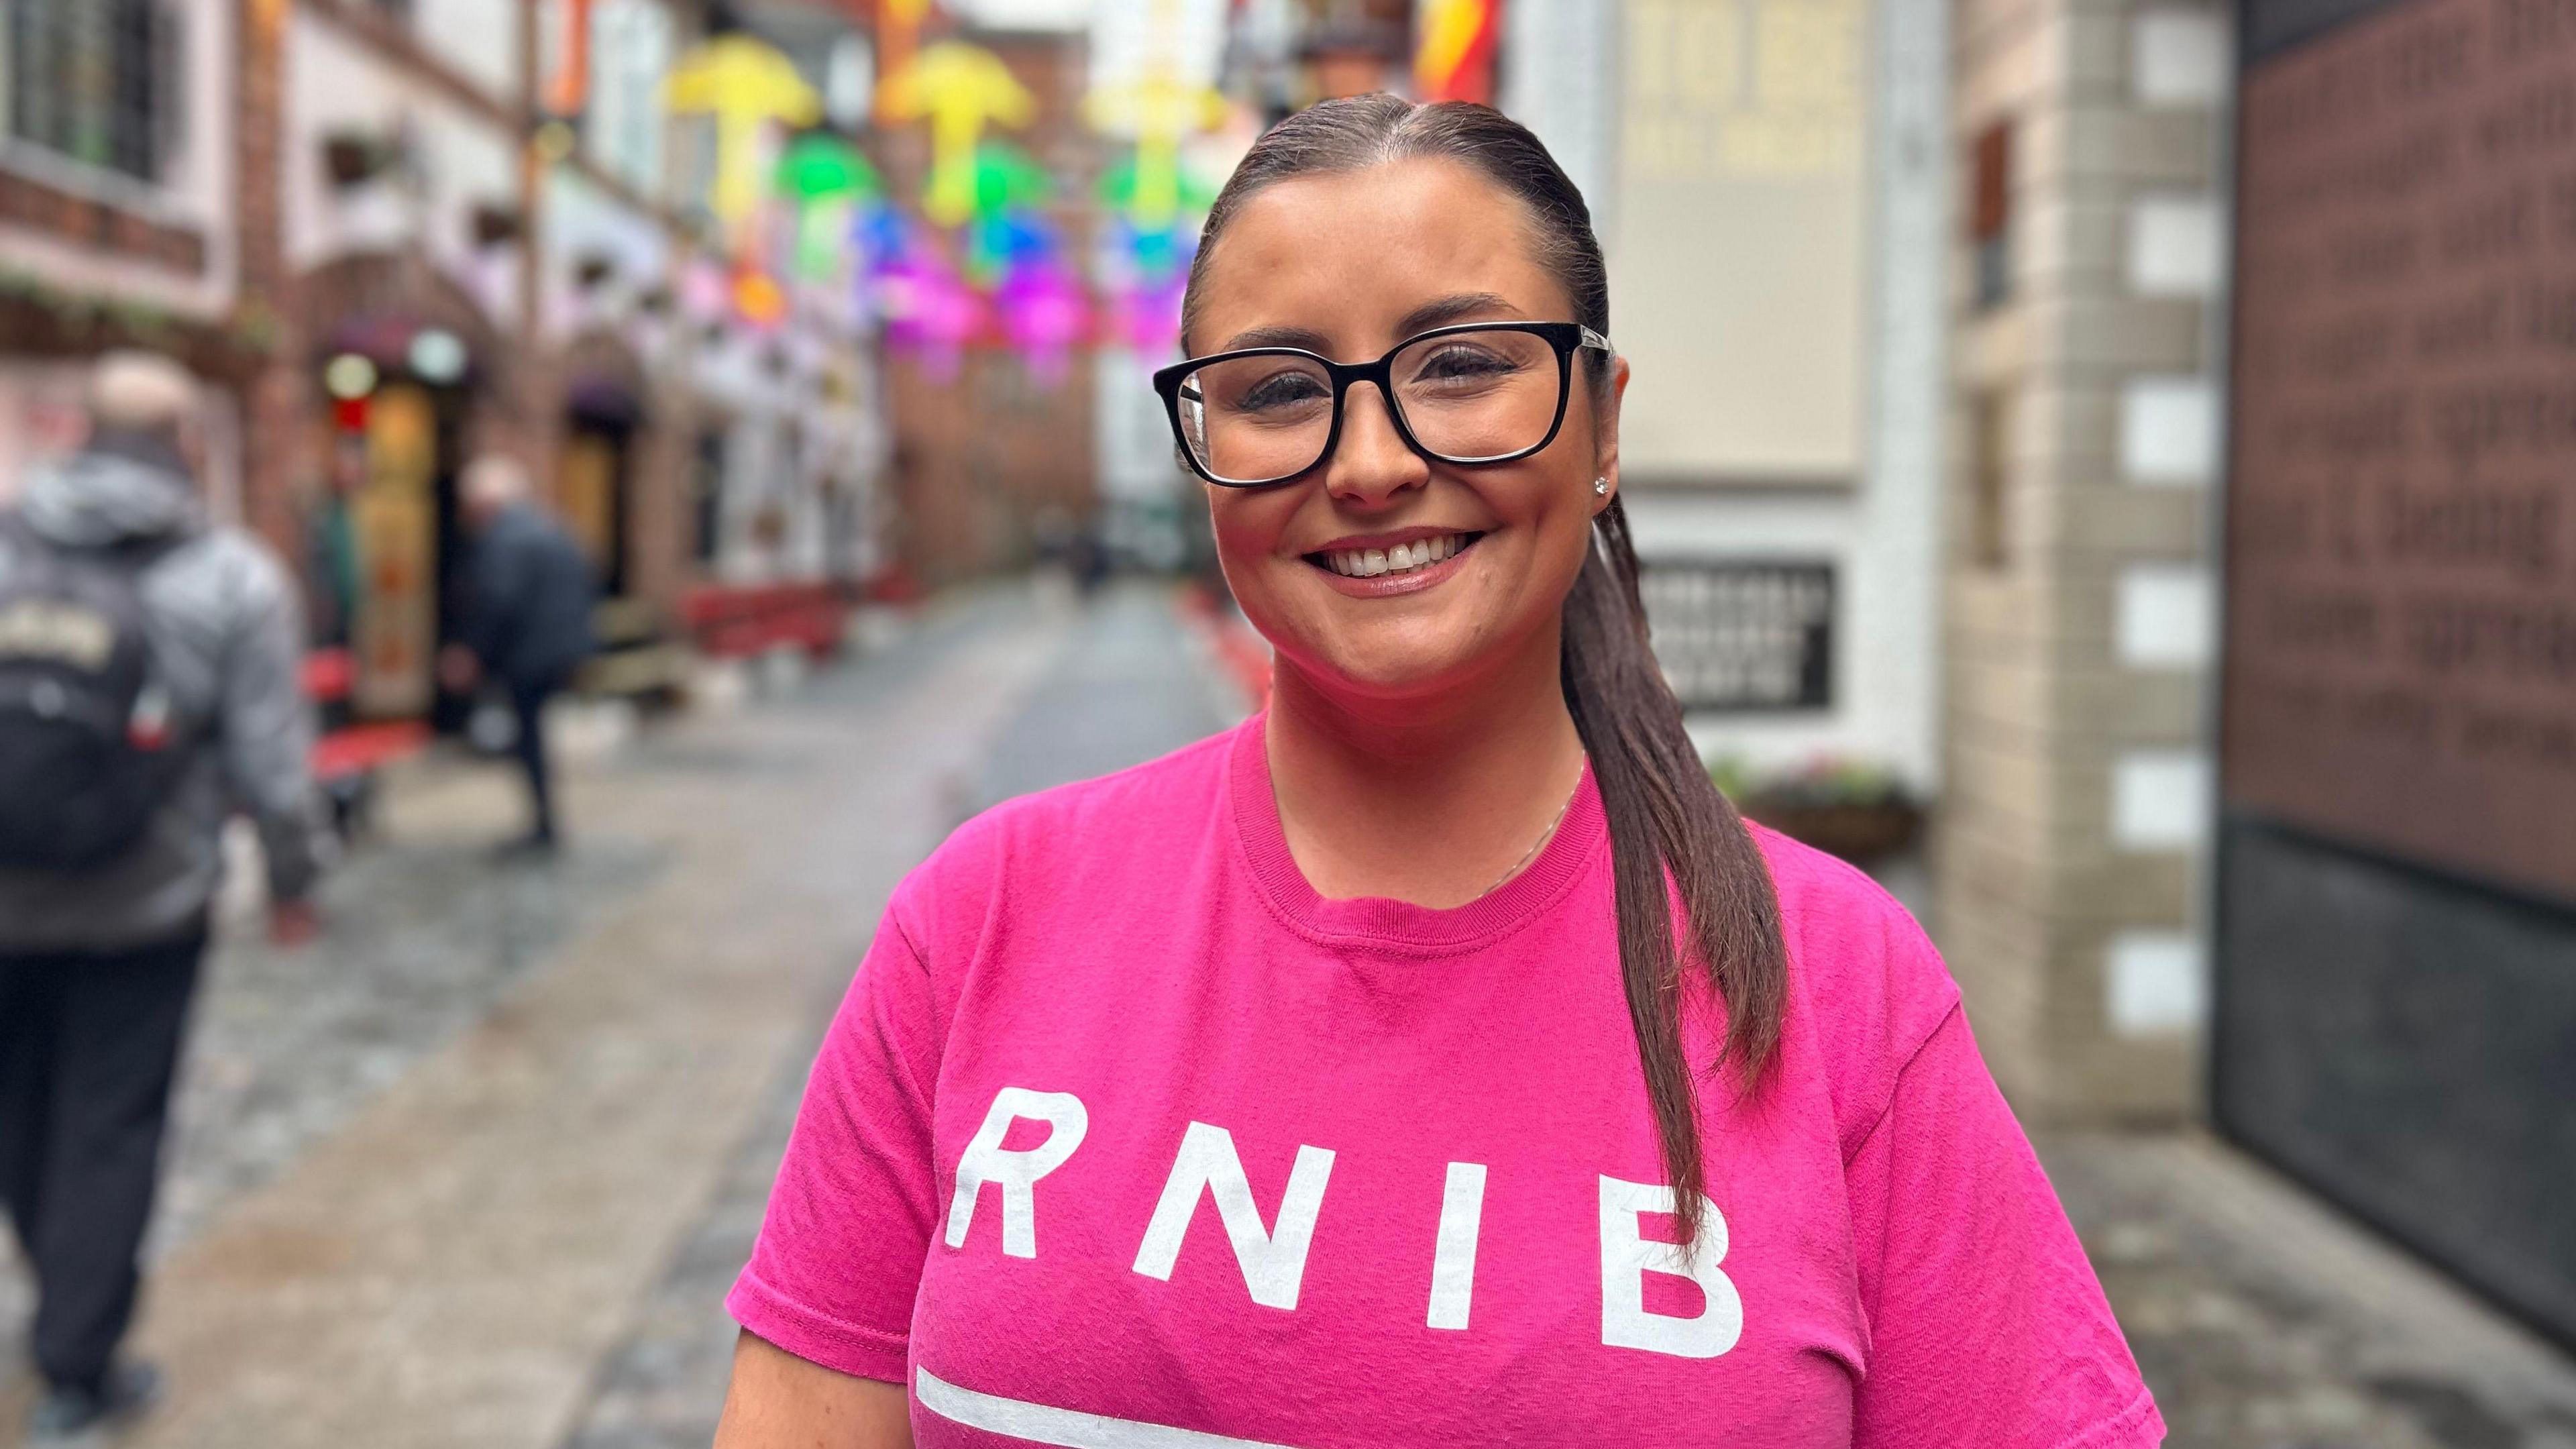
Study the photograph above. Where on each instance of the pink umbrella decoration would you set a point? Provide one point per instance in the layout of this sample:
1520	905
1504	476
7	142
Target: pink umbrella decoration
1044	314
1145	314
929	312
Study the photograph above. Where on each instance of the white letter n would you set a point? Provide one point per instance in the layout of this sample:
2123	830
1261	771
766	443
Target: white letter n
1017	1173
1273	1262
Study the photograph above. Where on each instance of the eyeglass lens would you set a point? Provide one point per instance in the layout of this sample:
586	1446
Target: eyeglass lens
1465	396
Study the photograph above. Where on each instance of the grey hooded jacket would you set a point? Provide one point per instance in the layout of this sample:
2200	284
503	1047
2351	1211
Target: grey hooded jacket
228	642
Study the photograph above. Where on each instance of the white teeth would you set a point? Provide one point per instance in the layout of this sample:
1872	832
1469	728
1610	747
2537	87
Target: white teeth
1403	558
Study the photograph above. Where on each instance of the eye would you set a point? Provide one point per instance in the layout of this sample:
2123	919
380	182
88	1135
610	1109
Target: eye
1463	363
1286	388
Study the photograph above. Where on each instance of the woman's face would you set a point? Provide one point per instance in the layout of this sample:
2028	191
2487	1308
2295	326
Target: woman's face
1348	265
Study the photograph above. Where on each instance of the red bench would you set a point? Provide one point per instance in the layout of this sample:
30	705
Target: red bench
730	622
344	759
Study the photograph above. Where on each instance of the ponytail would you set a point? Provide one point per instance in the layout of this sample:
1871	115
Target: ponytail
1666	815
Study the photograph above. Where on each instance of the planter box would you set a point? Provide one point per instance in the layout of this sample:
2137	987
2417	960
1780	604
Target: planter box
1861	834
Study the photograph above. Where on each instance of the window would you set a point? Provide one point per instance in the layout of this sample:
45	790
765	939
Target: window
95	81
1990	213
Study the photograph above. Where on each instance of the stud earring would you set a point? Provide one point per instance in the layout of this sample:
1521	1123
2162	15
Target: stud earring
1601	487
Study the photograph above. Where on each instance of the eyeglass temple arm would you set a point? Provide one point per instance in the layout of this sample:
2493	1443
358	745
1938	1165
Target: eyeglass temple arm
1591	338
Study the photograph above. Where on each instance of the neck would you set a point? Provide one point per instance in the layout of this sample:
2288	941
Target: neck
1431	801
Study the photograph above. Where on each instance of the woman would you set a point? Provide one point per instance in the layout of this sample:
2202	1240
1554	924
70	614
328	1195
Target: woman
1323	1083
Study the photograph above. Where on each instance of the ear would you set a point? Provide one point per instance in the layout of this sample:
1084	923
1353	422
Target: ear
1605	433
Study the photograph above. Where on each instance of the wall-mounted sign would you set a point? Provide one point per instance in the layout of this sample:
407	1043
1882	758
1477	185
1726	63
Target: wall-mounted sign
1737	220
2401	637
1743	634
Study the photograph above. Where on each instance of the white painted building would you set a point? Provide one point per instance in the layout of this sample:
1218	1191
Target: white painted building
1769	182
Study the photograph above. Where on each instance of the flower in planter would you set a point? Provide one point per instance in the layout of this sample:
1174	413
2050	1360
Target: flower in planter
1854	809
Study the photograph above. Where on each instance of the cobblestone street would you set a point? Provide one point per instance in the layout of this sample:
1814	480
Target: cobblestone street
477	1169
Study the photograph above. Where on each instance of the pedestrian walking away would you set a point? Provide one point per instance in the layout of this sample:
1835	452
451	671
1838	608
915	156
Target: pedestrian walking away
529	594
148	688
1538	1097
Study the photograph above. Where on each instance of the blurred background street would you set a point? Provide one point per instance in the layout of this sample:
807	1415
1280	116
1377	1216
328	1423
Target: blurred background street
2100	465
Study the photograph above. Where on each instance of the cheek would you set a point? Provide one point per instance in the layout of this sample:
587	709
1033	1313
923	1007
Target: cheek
1247	525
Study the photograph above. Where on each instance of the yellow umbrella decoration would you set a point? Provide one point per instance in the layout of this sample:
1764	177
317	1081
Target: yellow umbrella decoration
1160	110
746	85
959	89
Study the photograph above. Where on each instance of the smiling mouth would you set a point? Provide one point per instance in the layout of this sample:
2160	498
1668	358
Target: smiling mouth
1404	558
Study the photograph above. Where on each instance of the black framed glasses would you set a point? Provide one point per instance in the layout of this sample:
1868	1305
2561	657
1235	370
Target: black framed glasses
1479	392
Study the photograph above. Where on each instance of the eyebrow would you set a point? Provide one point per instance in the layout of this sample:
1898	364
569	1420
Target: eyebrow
1458	308
1304	338
1436	313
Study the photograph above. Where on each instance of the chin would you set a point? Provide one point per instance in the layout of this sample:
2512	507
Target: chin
1390	660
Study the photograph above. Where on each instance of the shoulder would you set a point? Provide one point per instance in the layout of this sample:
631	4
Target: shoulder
1081	837
230	572
1867	987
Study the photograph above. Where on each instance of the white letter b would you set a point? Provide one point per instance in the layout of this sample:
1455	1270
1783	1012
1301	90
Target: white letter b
1626	1259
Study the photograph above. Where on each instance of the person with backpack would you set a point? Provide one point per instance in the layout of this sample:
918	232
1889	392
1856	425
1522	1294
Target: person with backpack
148	689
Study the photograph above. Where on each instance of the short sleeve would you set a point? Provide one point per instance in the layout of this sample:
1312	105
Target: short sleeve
840	1254
1987	1325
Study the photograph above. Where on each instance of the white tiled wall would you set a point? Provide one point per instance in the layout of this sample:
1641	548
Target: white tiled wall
2160	799
2177	246
2164	616
2178	57
2169	429
2154	983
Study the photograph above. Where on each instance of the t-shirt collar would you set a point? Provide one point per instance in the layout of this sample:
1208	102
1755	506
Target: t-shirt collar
1392	924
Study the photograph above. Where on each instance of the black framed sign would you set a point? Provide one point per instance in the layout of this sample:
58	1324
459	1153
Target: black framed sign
1743	634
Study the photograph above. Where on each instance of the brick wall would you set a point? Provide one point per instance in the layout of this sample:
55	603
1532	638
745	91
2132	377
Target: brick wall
99	226
2078	599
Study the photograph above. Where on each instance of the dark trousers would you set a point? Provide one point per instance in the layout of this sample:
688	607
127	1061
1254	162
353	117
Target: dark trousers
528	703
88	1044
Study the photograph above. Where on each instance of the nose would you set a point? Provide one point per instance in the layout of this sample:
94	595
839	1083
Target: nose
1370	463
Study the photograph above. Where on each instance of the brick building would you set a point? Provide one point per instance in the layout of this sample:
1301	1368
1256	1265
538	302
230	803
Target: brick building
394	234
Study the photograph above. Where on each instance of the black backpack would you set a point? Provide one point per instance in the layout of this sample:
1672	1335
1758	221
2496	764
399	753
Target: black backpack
87	747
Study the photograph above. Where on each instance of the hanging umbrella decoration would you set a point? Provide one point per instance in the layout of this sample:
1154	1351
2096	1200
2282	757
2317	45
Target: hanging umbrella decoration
930	312
747	87
1014	252
1008	227
832	187
1044	313
1156	199
993	194
959	89
1155	224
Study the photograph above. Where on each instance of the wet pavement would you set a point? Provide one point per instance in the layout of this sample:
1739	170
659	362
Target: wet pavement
478	1168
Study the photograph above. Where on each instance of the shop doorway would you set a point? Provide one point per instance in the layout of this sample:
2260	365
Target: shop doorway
404	580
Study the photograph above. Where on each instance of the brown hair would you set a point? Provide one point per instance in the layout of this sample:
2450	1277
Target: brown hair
1667	818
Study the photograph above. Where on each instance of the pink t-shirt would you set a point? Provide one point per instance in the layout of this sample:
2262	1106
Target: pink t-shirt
1125	1137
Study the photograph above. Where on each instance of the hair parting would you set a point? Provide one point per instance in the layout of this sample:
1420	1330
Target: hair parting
1672	833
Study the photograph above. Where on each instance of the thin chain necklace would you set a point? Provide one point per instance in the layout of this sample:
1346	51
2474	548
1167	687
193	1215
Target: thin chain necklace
1543	837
